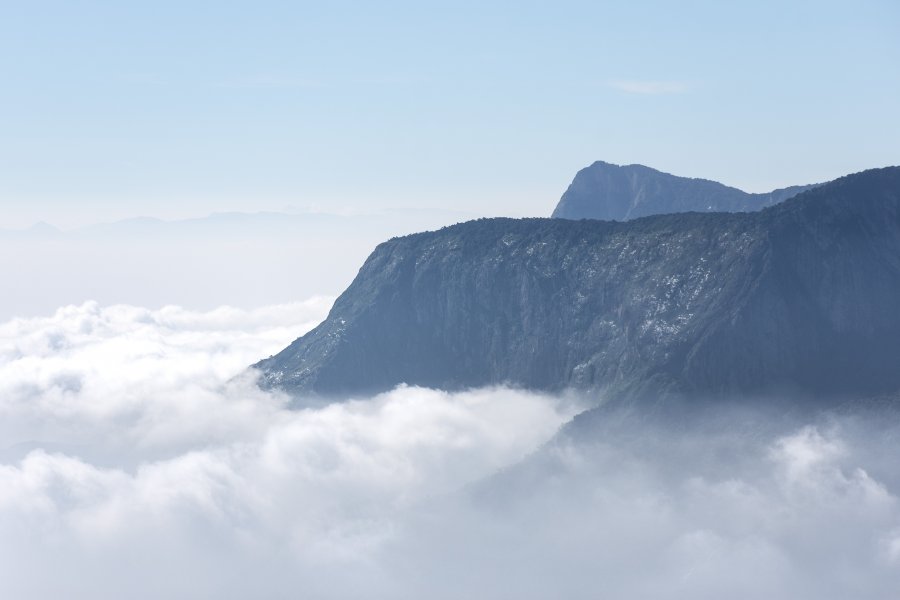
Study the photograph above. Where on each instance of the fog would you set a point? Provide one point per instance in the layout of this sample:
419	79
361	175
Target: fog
139	460
240	259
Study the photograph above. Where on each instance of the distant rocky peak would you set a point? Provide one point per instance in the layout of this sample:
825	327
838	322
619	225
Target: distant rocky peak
612	192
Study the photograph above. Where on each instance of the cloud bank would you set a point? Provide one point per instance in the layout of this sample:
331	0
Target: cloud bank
137	461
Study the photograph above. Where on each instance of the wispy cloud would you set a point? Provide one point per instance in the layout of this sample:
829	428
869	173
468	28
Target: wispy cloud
653	88
144	79
271	81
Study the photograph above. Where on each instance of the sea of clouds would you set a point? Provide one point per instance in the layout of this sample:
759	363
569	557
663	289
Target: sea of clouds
139	460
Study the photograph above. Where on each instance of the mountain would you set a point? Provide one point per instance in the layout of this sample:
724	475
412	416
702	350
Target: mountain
619	193
39	231
801	296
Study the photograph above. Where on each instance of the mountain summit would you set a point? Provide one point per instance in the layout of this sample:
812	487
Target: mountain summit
800	296
618	193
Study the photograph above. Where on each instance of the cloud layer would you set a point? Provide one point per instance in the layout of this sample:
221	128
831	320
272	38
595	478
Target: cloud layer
137	461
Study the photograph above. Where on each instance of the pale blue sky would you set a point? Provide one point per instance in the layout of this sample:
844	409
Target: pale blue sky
117	109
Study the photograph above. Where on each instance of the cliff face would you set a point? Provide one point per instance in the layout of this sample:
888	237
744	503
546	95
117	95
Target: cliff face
619	193
803	295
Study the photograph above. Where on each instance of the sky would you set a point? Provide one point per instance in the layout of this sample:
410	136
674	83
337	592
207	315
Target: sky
113	110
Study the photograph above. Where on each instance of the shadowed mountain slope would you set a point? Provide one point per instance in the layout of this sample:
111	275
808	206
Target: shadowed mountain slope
801	296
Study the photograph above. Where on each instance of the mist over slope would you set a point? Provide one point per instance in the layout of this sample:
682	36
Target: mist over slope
620	193
801	296
735	501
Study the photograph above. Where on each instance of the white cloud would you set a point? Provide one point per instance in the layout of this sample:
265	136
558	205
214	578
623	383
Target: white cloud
136	462
130	437
652	88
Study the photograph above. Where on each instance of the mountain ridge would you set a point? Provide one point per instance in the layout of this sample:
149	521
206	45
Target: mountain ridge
799	296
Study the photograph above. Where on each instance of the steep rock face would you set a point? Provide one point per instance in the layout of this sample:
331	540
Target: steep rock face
619	193
803	295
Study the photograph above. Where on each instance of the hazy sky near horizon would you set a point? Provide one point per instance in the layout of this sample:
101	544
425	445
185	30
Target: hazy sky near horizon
172	109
